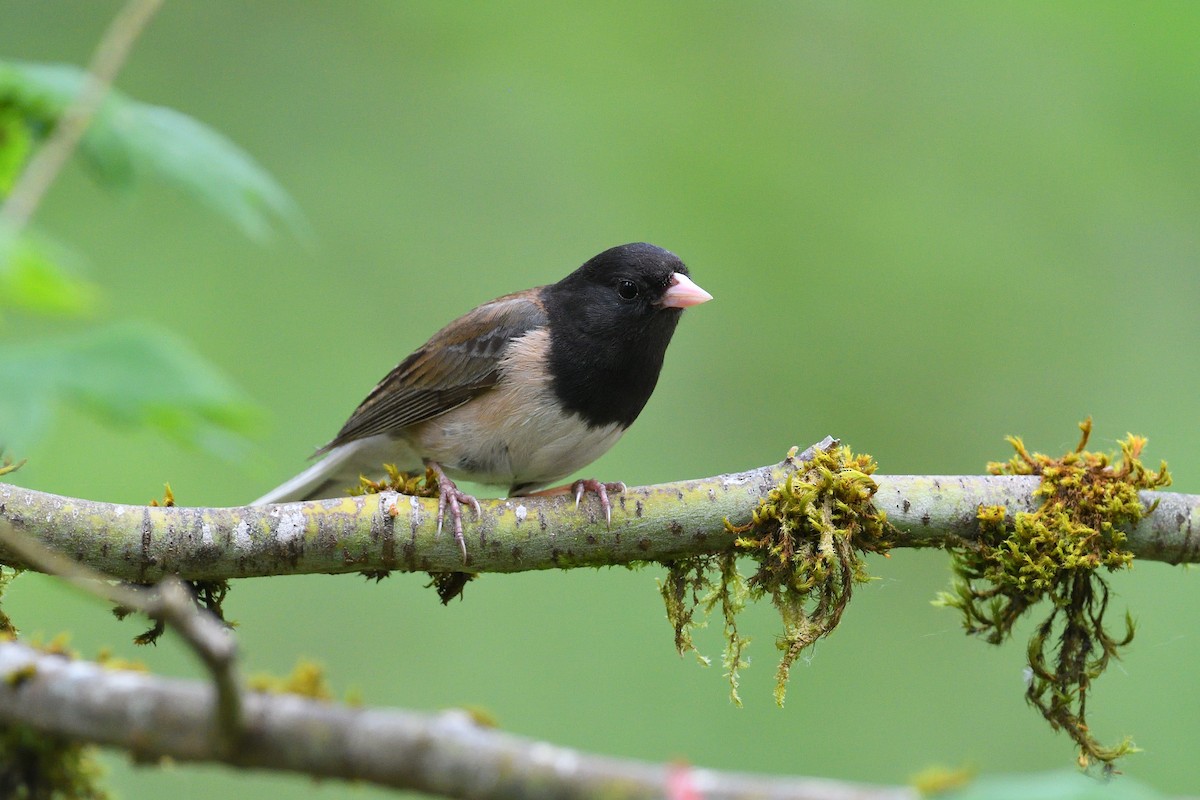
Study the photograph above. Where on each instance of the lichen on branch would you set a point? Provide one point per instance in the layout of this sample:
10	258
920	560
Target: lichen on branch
1055	553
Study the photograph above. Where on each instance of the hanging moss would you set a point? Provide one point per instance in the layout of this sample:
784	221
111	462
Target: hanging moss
1056	553
806	537
702	583
208	595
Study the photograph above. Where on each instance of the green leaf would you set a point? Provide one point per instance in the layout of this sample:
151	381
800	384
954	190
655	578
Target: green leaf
39	275
129	140
126	375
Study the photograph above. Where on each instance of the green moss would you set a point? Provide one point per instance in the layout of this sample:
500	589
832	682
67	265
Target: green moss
6	575
1056	553
36	766
208	595
20	675
938	780
168	500
376	574
307	680
448	585
421	485
7	465
807	537
106	659
703	583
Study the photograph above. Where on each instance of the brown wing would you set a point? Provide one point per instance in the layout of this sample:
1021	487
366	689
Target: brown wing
458	363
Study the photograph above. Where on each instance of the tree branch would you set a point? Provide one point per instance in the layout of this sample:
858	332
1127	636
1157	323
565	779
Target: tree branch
397	532
448	754
170	602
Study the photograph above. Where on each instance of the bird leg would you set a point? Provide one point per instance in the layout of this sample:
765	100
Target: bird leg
578	488
601	490
450	496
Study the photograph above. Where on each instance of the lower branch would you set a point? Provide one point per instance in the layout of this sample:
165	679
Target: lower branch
447	754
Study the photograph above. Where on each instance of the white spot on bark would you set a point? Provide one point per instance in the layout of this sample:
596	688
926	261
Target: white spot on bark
521	512
291	526
740	479
206	536
563	761
241	535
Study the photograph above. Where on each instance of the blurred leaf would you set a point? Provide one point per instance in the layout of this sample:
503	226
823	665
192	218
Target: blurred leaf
1065	785
207	165
128	140
128	375
15	144
39	92
38	274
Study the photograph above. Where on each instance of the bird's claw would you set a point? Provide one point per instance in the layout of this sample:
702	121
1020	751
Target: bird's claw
450	496
601	490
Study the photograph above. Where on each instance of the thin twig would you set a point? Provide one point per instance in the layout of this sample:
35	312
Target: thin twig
171	602
447	754
49	160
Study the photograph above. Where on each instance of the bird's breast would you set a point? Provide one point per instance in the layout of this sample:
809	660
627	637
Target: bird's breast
516	434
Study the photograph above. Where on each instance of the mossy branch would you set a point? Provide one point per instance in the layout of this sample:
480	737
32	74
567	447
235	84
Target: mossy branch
383	532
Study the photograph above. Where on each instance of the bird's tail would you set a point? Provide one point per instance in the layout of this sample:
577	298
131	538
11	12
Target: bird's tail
339	470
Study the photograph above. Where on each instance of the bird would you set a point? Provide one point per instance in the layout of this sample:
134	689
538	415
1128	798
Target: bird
521	391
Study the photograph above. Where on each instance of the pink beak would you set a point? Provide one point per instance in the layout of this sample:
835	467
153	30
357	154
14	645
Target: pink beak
683	293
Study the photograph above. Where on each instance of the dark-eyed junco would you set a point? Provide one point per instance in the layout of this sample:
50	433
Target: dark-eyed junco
521	391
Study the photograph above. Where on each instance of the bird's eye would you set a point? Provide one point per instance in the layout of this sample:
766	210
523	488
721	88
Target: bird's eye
627	289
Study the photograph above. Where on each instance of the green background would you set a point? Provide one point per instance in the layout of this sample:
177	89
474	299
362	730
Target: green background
926	225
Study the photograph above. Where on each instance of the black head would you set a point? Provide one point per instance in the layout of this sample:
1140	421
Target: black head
610	323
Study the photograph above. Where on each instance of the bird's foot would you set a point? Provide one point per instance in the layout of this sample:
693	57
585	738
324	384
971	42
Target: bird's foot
451	497
601	490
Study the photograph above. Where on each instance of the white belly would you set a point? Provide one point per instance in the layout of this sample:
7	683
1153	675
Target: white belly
528	453
515	435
